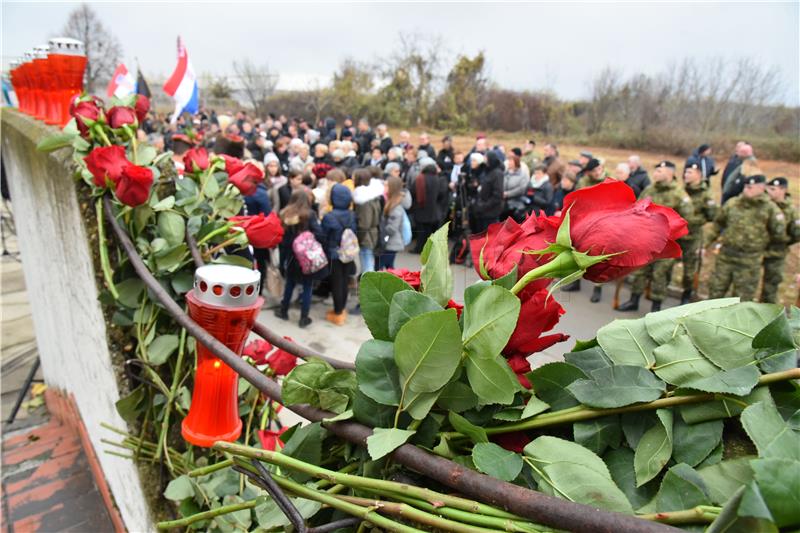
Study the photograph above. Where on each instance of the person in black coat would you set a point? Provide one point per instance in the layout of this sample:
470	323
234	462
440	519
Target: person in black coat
638	180
428	192
364	136
425	145
489	204
445	157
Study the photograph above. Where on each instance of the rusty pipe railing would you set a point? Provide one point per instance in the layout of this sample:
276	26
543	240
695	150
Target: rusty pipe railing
538	507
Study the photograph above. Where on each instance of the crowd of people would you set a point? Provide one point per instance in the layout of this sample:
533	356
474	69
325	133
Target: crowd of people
327	179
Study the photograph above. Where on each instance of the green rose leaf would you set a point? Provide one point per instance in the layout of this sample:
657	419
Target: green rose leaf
129	291
620	465
692	443
664	325
128	406
475	433
161	348
458	397
405	306
779	483
776	346
617	386
55	142
171	227
270	516
654	449
588	360
550	382
495	461
679	362
384	441
435	275
492	379
770	432
626	342
305	445
377	372
738	381
375	293
179	489
569	471
427	351
489	321
730	521
682	488
534	407
598	434
300	385
724	407
725	335
726	477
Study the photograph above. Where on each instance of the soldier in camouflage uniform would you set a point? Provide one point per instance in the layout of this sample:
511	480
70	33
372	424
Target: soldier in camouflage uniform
666	191
704	209
593	173
747	224
775	255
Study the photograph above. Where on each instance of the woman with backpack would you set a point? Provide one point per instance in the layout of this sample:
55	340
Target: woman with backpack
398	200
298	219
341	247
367	198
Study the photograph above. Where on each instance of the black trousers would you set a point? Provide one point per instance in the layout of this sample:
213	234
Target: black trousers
423	231
261	256
340	274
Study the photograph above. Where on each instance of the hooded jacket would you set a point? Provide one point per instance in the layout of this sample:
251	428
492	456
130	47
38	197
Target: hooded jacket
428	191
367	200
393	223
335	222
490	193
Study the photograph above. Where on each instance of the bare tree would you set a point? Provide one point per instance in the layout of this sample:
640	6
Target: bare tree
319	99
257	82
605	88
102	48
417	61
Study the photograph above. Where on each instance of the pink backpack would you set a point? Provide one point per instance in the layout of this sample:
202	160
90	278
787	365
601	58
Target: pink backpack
309	253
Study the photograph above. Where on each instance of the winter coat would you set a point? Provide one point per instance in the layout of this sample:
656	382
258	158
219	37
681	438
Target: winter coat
429	210
430	150
364	140
258	202
638	181
291	267
367	200
393	223
386	144
335	222
515	184
445	160
542	198
490	194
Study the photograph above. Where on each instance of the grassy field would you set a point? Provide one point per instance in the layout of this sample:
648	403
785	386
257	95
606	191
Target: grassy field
789	289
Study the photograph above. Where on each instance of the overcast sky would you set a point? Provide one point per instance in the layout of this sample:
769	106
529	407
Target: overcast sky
557	46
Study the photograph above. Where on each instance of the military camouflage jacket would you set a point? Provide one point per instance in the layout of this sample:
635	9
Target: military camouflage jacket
704	208
747	225
670	194
588	181
778	246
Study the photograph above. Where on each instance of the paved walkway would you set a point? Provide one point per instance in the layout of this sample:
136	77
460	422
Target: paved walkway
47	484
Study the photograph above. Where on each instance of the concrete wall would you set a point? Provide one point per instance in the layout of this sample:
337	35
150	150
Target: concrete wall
60	278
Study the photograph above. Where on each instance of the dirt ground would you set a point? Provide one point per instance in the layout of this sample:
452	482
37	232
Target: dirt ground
790	288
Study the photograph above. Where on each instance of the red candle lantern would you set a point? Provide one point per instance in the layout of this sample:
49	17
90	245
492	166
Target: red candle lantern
25	74
68	61
225	301
40	72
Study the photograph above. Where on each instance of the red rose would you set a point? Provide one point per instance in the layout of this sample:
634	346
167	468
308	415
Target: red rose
120	115
452	304
520	365
84	110
503	244
282	362
106	163
410	277
257	350
270	440
142	107
537	314
247	179
607	219
514	442
262	231
232	164
134	185
195	160
320	170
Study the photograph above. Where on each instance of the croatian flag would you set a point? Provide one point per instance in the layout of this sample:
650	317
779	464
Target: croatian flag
122	83
182	85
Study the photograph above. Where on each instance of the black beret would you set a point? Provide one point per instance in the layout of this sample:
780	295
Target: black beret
757	178
516	151
591	165
779	182
694	165
667	164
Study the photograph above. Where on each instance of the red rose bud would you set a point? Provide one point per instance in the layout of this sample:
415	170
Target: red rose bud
410	277
247	179
142	107
257	350
607	219
496	251
452	304
134	185
282	362
84	110
537	314
514	442
270	440
119	116
106	163
195	160
232	164
262	231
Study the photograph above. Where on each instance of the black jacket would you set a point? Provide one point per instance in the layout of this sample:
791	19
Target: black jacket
638	181
733	163
542	199
364	141
490	195
429	210
429	149
445	160
386	144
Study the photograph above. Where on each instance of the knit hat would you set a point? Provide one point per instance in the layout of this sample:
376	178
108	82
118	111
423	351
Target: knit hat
270	157
391	166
